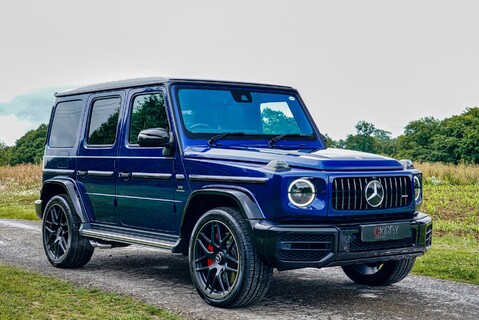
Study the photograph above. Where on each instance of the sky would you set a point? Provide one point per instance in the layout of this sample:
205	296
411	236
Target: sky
385	62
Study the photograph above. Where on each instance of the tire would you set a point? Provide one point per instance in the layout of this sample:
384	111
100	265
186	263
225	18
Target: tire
380	274
224	267
62	242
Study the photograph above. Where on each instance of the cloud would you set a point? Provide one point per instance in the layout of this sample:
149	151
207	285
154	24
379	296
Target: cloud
34	107
12	128
25	112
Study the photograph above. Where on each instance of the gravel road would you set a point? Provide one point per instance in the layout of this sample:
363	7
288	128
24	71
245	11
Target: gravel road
162	279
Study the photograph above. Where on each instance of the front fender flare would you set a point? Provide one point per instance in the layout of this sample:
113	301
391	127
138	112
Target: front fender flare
246	203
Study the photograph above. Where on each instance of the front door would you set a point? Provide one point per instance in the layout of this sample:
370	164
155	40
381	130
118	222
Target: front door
145	188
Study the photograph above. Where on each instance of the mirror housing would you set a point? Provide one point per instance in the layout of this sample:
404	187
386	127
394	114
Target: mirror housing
154	137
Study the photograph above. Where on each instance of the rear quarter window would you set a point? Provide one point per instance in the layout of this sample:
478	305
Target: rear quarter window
66	120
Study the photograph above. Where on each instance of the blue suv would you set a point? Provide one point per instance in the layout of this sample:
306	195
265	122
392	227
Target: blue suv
234	175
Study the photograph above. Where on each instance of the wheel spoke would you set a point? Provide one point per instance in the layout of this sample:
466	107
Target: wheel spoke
225	239
208	278
218	235
49	230
63	244
230	258
215	279
201	258
230	246
57	249
231	269
205	238
50	245
202	268
50	237
220	280
227	280
202	246
54	216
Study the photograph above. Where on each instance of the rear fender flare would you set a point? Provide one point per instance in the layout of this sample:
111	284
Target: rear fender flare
53	186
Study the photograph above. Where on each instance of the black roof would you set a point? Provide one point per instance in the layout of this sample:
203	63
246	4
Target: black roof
151	81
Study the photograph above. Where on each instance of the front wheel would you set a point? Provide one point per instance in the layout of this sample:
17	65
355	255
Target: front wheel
380	274
224	267
62	242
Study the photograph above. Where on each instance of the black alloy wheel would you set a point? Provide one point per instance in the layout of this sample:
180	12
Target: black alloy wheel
62	242
56	236
216	258
224	266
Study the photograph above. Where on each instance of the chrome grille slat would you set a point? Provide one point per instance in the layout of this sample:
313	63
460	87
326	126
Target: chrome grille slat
349	193
386	193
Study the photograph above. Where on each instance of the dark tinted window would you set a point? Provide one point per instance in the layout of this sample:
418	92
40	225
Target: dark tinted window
148	111
104	121
65	124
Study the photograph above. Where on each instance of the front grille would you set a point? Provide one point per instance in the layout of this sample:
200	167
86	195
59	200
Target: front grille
304	247
349	193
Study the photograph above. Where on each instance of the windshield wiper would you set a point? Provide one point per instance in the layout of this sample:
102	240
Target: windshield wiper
273	141
212	141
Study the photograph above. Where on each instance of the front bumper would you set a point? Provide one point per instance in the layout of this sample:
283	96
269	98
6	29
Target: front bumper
299	246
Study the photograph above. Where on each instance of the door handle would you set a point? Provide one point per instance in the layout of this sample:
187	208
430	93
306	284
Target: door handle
124	175
82	173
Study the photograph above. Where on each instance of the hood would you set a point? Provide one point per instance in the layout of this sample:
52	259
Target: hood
326	159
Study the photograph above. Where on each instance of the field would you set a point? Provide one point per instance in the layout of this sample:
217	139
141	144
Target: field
451	197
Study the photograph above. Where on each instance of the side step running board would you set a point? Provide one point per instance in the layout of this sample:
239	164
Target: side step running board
126	236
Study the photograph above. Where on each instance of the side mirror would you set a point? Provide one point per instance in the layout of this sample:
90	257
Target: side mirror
154	137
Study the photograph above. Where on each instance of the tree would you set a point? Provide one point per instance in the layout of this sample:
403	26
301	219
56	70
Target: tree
276	122
5	154
30	147
370	139
457	139
416	143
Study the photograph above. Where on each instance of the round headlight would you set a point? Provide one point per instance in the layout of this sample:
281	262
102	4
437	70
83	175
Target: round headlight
301	192
417	188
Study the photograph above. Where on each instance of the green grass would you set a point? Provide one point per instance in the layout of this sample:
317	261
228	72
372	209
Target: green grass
18	206
451	258
454	209
26	295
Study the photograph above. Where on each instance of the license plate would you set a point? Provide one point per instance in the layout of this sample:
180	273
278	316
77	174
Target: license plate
387	231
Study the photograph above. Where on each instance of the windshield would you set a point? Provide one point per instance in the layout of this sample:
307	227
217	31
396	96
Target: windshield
216	111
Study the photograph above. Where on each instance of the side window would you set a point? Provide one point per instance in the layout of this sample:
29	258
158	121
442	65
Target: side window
104	121
147	111
65	124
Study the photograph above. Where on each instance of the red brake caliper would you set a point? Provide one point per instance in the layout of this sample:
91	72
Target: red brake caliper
209	261
210	248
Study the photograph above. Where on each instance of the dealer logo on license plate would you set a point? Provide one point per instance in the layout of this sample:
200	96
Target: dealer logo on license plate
383	232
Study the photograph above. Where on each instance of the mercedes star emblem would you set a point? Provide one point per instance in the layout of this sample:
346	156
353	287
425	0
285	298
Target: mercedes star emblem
374	193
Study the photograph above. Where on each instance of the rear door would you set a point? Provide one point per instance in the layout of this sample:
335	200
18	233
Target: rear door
146	185
98	153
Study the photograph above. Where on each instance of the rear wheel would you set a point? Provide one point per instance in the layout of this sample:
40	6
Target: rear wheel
224	267
380	274
62	242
